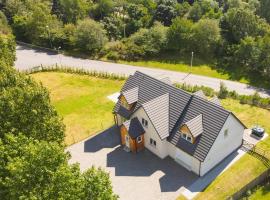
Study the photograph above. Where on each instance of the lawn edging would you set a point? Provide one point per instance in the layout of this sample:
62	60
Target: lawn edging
246	190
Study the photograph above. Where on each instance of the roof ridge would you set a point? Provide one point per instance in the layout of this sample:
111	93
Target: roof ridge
171	85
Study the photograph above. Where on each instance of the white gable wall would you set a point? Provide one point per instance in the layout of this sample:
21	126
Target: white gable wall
150	132
223	146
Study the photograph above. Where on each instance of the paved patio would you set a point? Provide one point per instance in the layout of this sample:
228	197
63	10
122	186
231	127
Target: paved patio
134	176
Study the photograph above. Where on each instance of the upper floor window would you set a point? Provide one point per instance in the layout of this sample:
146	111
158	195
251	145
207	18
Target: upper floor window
144	122
226	133
124	103
186	137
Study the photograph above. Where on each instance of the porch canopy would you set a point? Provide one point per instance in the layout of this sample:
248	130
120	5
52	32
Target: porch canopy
134	128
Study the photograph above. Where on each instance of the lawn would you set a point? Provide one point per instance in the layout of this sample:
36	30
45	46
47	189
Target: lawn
81	101
248	167
176	62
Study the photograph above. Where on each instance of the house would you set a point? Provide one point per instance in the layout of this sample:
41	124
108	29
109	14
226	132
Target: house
196	132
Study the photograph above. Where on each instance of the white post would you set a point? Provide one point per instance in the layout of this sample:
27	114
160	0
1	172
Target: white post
191	62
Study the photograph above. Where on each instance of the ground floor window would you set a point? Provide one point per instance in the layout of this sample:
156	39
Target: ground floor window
153	142
139	139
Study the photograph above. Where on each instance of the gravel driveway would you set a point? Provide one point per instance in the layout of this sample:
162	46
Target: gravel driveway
141	176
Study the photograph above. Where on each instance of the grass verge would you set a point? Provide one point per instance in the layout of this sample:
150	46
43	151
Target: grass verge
81	101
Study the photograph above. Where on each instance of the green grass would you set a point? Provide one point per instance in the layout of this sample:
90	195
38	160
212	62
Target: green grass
81	101
181	63
247	167
204	70
261	193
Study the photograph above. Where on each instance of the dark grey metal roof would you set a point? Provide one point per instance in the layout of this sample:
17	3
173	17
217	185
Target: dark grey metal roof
124	112
157	110
195	125
200	94
213	120
150	88
183	107
134	127
131	95
216	101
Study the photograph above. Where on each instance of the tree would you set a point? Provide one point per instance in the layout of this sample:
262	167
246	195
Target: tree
102	9
114	27
166	11
263	10
90	36
25	108
180	34
137	17
206	9
97	185
206	37
7	43
32	169
239	23
70	11
37	170
146	42
37	25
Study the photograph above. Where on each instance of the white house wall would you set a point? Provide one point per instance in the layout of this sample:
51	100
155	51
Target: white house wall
150	132
222	147
187	161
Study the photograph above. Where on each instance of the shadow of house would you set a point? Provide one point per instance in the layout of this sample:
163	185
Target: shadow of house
146	163
109	138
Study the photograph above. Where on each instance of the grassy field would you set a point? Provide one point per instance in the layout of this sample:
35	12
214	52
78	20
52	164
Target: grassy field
81	101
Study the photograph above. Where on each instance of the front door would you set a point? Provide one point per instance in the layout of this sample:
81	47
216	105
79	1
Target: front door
127	141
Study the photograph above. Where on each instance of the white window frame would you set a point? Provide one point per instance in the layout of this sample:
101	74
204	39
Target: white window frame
139	139
186	136
153	142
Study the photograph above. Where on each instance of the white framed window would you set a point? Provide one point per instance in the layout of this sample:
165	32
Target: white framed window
144	122
226	133
153	142
139	139
186	137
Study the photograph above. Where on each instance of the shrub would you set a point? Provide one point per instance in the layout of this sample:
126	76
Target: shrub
223	91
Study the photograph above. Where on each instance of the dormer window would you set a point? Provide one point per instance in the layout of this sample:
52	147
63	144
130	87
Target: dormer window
129	98
191	129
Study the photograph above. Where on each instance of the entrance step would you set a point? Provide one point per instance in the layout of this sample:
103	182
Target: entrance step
126	149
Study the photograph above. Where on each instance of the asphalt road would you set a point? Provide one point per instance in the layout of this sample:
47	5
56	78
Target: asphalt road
28	58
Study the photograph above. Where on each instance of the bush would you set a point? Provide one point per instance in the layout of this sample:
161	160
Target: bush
90	36
223	91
